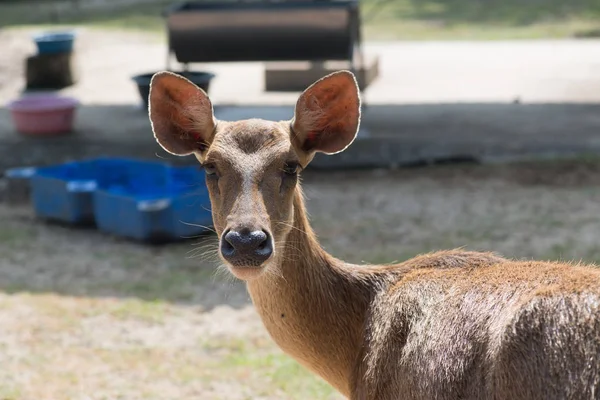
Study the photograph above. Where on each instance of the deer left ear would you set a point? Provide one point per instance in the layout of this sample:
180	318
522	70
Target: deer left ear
327	115
181	115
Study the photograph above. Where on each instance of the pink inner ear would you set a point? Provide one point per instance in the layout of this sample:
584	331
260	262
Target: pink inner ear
311	136
328	114
311	139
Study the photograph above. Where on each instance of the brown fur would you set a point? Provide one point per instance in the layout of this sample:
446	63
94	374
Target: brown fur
446	325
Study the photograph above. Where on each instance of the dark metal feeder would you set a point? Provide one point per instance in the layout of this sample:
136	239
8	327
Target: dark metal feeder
237	31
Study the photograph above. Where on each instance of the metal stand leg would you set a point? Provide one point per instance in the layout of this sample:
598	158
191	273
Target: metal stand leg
359	69
318	64
358	56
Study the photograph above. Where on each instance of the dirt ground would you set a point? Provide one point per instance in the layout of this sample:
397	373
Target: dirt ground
105	60
103	63
87	316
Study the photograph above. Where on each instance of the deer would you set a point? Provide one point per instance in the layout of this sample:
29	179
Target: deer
450	324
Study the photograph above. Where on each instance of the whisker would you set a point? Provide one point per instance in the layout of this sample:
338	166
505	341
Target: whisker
222	272
291	226
201	250
209	228
274	273
204	252
204	244
283	245
208	251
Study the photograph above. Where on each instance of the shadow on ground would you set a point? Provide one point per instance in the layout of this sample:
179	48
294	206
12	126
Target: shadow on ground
40	257
45	257
391	135
542	210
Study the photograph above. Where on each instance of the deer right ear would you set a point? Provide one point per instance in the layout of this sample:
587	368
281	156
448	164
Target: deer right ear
181	115
327	114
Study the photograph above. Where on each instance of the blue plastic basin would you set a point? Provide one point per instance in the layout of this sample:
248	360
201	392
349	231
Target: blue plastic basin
168	210
137	199
64	192
54	42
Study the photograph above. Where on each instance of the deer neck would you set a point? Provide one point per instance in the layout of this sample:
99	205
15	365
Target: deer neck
312	306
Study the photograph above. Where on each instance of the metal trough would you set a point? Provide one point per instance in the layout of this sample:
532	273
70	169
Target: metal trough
233	31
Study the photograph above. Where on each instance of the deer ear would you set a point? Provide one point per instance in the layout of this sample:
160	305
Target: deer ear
327	114
181	115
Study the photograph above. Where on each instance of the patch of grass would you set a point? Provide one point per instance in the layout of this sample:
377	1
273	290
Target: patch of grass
261	364
151	311
8	392
58	312
284	374
146	17
414	29
172	285
474	19
152	288
254	363
383	19
560	252
11	235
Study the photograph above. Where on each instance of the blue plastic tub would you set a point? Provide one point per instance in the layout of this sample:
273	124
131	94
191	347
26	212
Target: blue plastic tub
54	42
64	192
169	210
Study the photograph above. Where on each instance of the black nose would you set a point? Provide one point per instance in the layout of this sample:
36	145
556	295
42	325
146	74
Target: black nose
246	248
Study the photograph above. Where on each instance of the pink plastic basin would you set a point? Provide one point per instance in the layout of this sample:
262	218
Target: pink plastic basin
43	114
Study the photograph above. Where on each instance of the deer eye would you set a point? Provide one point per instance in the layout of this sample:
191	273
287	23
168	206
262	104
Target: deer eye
291	168
210	169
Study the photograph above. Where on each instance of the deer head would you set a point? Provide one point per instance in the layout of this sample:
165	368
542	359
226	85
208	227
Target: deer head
252	166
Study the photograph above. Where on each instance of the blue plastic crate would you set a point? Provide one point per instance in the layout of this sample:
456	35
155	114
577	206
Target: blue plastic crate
174	207
64	192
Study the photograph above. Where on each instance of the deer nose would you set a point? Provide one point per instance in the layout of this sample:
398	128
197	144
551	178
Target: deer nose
246	247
